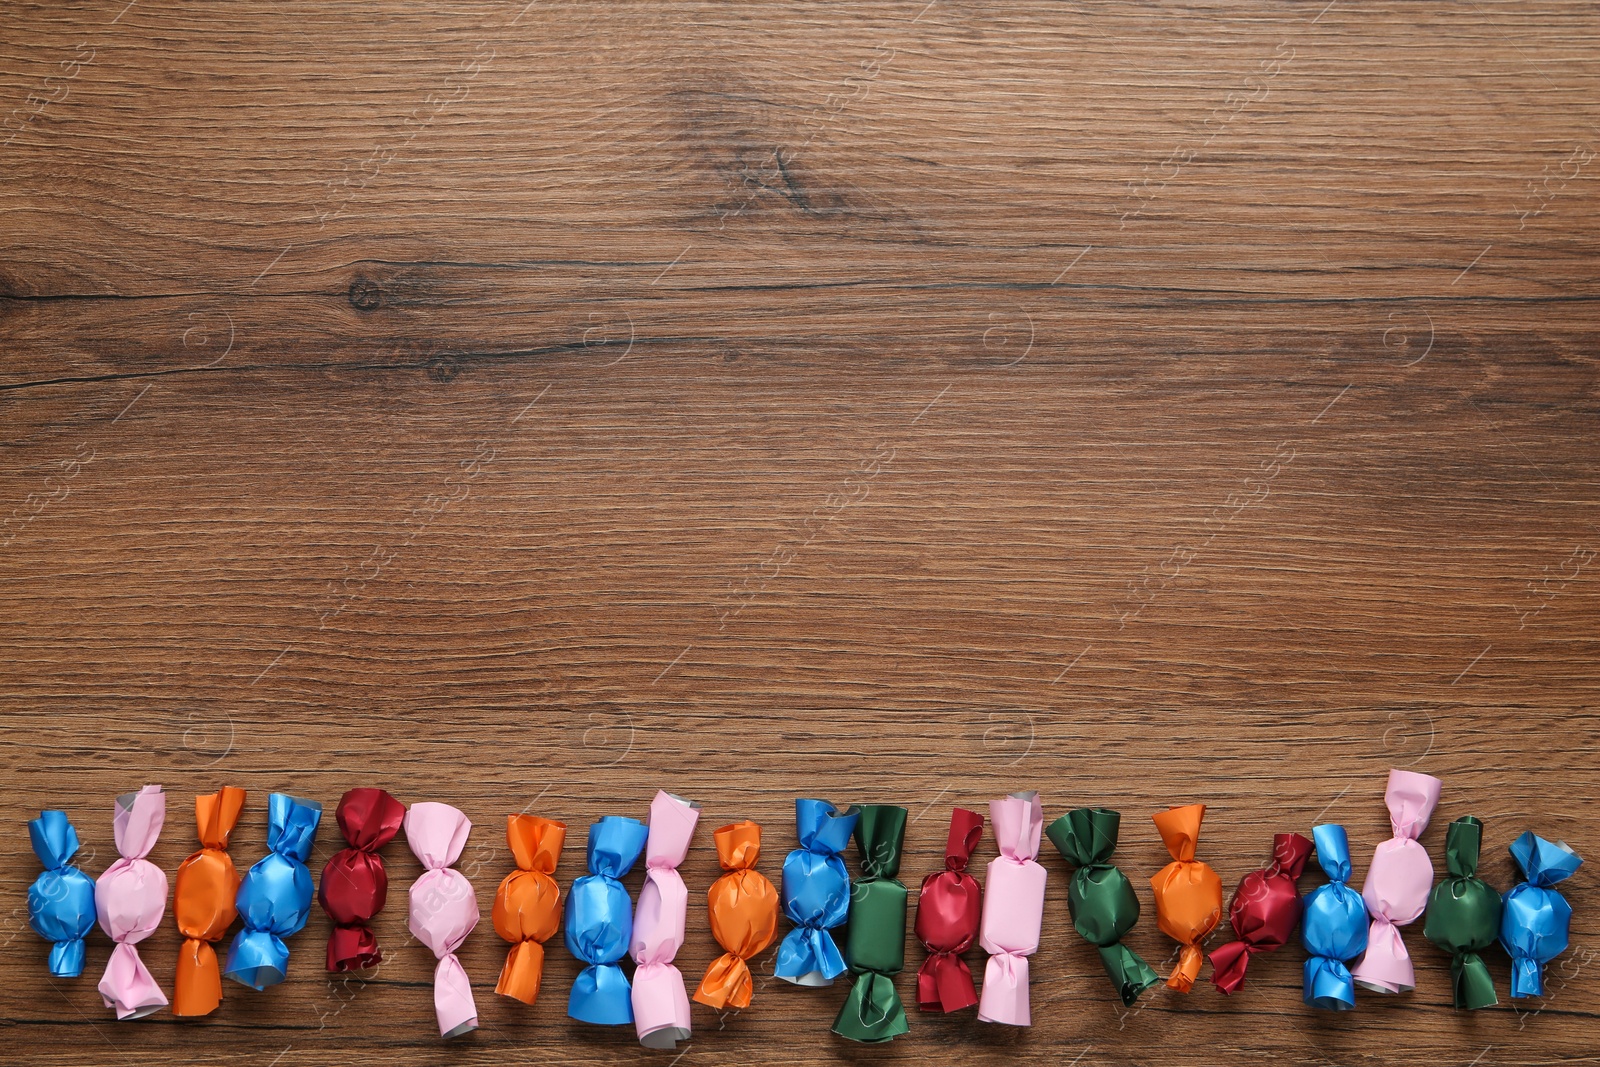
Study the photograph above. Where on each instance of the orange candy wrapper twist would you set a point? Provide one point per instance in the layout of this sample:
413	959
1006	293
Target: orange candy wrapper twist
744	917
203	903
1188	892
527	906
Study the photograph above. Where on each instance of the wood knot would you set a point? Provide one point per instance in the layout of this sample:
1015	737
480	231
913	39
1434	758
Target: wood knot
365	295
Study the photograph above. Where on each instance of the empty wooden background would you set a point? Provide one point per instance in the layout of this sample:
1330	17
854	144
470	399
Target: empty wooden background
528	406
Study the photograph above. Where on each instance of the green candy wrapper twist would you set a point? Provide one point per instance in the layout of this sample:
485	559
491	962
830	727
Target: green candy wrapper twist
1100	898
875	945
1464	916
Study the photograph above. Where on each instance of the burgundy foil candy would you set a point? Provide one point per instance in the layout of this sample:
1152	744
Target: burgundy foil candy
354	883
949	908
1265	910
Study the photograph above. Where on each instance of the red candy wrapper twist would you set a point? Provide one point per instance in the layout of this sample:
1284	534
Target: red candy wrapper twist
1265	910
354	883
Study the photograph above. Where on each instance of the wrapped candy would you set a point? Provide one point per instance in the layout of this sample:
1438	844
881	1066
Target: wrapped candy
1334	929
816	894
660	1002
949	908
875	943
1264	912
204	903
1534	922
1396	889
61	900
1100	898
443	909
129	898
275	895
1013	908
600	923
744	917
527	906
1188	892
355	885
1464	916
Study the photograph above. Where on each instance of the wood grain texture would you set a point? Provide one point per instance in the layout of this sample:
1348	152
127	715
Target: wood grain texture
536	405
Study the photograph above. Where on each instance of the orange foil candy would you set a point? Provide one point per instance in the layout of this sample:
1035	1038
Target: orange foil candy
1188	892
203	903
744	917
527	906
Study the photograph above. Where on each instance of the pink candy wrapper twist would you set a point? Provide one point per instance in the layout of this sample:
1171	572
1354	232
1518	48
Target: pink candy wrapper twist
1013	905
660	1003
443	909
1397	885
130	898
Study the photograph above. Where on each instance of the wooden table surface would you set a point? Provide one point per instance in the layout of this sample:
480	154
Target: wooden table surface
530	406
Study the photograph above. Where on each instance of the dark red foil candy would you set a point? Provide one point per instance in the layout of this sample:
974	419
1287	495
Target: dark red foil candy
949	908
1265	910
354	883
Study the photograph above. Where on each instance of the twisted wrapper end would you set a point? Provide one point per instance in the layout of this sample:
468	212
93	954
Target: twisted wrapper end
452	998
660	1006
944	983
808	956
353	948
128	986
872	1012
523	970
1005	991
1471	985
66	958
1386	966
1188	969
1328	985
601	996
197	989
1128	972
258	958
1527	977
1228	965
727	984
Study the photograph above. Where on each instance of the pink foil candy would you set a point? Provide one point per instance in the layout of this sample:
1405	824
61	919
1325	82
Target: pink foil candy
443	909
660	1003
130	898
1398	882
1013	905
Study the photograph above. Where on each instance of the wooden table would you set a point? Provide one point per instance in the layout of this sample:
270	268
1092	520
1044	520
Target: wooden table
530	406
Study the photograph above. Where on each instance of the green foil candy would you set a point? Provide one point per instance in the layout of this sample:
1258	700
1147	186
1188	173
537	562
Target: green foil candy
1464	916
875	943
1100	897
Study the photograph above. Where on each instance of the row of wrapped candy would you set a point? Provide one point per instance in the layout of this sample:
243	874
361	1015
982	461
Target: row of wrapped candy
1465	916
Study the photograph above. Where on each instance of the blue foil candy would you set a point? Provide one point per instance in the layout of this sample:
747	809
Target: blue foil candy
1534	921
275	895
816	894
600	922
61	899
1335	925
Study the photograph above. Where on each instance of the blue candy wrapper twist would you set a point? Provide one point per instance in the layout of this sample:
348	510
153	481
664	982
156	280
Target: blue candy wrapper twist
61	899
275	896
600	922
816	893
1535	918
1335	925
